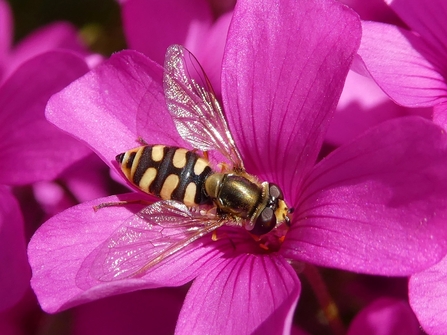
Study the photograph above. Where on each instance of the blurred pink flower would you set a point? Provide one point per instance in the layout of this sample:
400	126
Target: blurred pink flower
150	26
84	180
15	273
59	35
410	65
385	316
33	149
35	69
363	105
376	205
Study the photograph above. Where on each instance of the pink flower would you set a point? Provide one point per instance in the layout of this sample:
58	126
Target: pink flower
410	65
33	149
59	35
376	205
39	66
151	26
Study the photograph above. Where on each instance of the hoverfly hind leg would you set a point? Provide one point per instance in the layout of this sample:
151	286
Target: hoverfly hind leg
121	203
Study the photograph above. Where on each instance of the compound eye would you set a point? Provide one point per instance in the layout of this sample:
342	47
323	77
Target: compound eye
265	222
275	192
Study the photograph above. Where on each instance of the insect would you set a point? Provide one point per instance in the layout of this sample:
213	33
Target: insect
195	199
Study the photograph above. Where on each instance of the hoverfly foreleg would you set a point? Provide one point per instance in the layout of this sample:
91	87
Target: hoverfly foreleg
223	235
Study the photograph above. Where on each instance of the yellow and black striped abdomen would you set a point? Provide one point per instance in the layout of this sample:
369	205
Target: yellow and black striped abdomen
169	173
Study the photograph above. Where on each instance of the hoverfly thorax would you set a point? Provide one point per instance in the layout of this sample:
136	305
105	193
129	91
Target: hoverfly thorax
260	204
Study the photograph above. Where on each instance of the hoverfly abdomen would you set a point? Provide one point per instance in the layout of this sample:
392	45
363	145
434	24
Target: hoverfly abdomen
169	173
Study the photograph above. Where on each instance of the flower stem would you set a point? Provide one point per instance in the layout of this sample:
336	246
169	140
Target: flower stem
324	298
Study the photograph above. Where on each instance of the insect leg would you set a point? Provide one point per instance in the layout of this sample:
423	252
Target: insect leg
224	167
121	203
141	141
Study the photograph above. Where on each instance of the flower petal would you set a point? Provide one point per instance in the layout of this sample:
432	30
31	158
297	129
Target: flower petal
283	72
378	204
59	35
403	65
14	278
362	105
152	26
209	50
6	33
385	316
428	297
114	105
33	149
440	115
61	251
373	10
242	295
427	18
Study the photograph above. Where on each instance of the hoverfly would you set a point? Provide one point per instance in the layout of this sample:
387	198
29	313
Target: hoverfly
186	183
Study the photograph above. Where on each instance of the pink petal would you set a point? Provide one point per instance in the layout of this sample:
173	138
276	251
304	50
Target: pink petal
427	18
209	49
385	316
428	297
114	105
373	10
403	65
283	72
33	148
440	115
245	294
152	26
362	105
144	312
188	23
61	252
59	35
14	278
378	204
88	179
6	33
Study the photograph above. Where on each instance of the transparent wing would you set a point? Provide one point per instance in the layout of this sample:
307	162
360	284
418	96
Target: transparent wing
195	110
148	237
